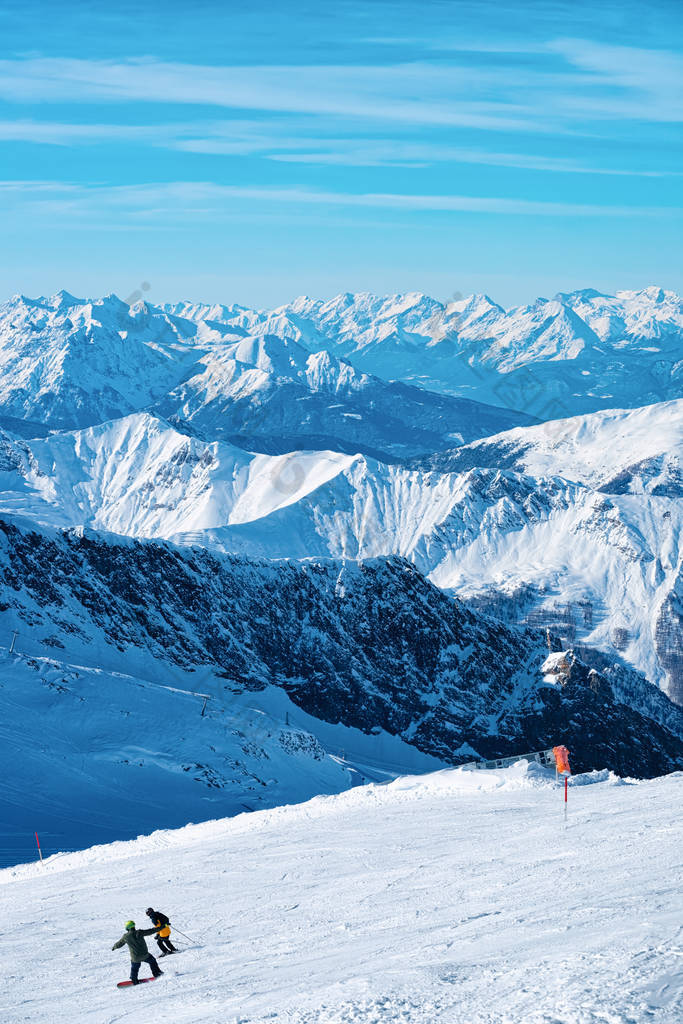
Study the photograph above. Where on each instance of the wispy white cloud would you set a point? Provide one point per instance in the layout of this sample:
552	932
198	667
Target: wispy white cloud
361	153
30	188
409	93
266	138
588	80
630	82
177	199
55	133
239	135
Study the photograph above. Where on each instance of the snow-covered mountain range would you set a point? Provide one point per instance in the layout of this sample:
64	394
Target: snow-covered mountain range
72	362
617	452
573	524
578	352
621	551
316	675
67	363
252	500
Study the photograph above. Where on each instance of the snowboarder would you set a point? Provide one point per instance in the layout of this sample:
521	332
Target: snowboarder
134	938
161	921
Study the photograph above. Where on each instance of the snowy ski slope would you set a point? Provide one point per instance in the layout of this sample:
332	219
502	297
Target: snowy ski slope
459	897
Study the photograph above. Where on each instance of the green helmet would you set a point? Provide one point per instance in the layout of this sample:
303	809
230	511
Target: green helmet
129	925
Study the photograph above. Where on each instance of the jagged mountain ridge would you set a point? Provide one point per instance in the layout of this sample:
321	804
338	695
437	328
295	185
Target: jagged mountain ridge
618	451
271	395
576	353
636	454
66	363
602	569
370	644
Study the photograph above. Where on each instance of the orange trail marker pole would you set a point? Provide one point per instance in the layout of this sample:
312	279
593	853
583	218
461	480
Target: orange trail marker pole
39	849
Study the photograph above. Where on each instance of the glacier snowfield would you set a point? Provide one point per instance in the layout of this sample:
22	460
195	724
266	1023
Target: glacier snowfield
460	897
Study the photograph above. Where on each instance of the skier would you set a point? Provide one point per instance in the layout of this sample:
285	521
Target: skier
134	938
161	921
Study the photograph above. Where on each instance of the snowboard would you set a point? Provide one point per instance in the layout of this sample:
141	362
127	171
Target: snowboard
125	984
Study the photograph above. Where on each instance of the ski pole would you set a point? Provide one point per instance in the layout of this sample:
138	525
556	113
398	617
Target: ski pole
174	929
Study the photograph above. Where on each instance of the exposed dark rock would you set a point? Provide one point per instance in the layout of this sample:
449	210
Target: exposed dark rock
369	644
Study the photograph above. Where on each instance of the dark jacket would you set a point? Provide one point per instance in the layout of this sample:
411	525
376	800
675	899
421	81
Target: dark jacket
134	939
159	919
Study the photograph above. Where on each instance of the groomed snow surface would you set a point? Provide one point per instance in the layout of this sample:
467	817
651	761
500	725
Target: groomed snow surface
458	897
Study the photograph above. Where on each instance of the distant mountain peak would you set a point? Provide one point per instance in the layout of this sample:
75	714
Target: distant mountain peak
584	294
62	299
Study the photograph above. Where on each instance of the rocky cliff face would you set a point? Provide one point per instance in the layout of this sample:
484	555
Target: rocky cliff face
669	638
531	544
372	645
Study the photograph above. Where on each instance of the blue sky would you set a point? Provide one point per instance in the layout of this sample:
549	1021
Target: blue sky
252	153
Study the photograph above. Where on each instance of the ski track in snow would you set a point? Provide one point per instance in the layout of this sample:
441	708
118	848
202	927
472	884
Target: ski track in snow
460	897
